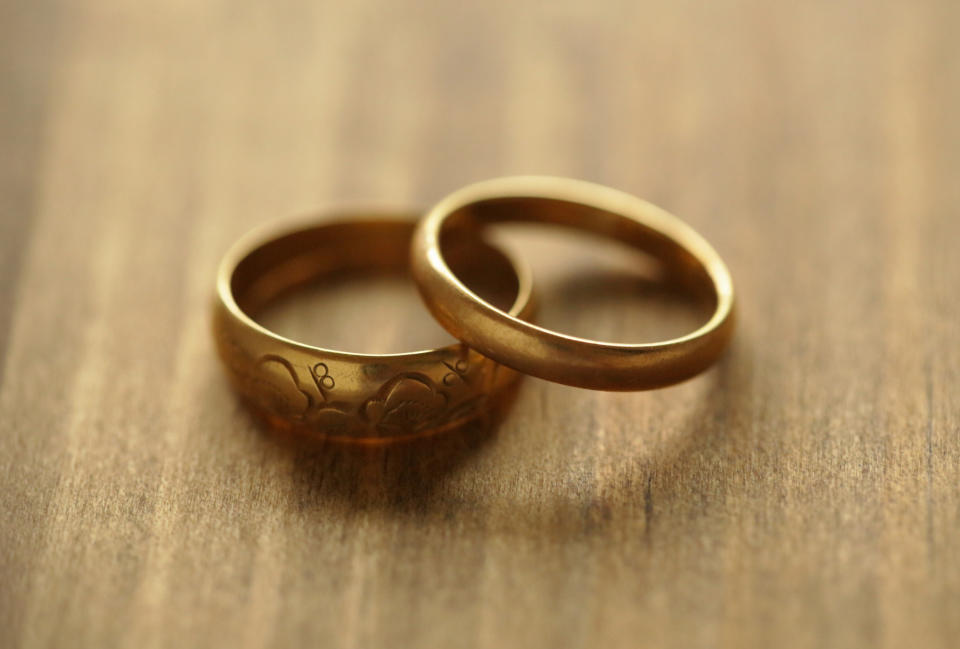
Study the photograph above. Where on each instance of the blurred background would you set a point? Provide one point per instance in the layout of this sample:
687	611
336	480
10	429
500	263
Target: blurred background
801	494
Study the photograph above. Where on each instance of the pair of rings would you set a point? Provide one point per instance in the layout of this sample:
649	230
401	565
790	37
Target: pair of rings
475	291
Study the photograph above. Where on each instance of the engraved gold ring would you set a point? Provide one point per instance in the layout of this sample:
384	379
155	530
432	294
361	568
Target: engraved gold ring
336	394
540	352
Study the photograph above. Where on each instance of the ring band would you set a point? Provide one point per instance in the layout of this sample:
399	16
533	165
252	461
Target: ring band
547	354
336	394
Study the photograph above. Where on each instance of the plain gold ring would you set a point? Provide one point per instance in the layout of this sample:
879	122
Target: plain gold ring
547	354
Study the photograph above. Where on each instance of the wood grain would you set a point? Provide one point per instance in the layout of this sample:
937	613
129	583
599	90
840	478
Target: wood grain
802	494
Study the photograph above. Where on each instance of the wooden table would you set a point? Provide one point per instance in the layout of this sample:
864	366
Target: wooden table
804	493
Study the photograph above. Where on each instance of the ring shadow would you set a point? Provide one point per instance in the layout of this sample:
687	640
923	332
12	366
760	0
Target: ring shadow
395	474
643	493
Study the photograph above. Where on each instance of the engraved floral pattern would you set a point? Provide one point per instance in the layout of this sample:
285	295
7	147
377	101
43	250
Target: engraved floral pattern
469	409
406	404
333	421
269	385
458	372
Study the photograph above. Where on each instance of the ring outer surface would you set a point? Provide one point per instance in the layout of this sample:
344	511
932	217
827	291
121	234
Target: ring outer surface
339	395
550	355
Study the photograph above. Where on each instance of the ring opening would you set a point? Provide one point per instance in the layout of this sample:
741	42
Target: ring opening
594	287
675	267
372	258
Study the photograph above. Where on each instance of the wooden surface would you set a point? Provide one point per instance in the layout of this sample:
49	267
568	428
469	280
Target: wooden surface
802	494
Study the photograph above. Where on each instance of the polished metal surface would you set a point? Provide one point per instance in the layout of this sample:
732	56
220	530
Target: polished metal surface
548	354
338	394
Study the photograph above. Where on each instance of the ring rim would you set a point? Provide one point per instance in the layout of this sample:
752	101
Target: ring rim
549	354
270	232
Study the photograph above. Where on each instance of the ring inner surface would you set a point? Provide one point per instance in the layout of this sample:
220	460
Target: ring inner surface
679	268
359	249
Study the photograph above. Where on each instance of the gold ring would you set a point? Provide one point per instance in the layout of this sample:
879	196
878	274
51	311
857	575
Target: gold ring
335	394
547	354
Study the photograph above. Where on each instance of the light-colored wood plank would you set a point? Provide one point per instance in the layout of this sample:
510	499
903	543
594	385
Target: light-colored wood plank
801	494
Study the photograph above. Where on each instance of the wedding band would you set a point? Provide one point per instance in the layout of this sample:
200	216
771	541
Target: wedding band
547	354
337	394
